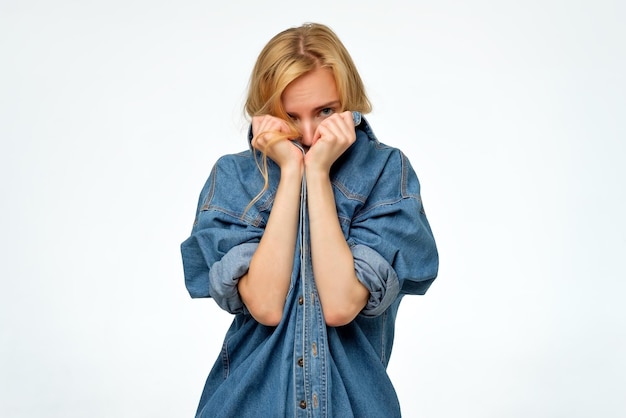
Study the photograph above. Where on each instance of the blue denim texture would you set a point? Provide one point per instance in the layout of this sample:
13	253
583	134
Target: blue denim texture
302	367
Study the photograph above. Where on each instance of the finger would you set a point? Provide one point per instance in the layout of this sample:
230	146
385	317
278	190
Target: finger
268	123
337	127
264	128
348	123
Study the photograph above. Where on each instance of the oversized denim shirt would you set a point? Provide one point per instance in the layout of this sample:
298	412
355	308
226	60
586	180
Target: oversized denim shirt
302	367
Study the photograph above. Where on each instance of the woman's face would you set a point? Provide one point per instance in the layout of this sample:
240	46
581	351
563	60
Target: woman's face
310	99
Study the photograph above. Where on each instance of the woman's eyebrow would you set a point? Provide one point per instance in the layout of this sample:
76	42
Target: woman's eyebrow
334	103
331	104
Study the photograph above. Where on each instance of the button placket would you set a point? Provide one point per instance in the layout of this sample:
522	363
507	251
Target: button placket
300	349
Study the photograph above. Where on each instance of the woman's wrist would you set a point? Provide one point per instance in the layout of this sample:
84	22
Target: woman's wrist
292	170
317	174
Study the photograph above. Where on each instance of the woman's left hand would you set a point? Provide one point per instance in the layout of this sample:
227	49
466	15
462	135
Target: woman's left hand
333	137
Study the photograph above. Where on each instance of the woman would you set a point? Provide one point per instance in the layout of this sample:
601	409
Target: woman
310	239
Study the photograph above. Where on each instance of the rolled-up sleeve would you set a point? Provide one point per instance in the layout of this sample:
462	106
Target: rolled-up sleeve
377	275
224	276
214	258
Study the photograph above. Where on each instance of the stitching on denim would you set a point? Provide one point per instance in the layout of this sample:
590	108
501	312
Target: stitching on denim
349	195
405	178
225	360
256	221
208	197
365	211
383	332
344	220
265	202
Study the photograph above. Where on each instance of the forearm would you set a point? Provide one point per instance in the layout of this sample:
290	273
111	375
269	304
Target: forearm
264	287
341	294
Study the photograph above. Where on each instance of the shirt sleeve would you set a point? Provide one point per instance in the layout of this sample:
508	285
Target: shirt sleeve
377	275
218	253
393	247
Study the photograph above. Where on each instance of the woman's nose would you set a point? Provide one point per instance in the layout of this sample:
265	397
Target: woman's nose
307	129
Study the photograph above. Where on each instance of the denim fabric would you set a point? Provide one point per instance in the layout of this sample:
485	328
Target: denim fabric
302	367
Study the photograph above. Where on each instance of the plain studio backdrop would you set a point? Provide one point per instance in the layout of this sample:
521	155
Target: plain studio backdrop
112	114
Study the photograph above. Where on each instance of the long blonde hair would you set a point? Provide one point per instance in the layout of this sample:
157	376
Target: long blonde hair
289	55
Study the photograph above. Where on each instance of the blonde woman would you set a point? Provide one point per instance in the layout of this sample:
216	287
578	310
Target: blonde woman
310	239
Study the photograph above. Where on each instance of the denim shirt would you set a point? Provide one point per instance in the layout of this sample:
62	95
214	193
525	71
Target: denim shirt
302	367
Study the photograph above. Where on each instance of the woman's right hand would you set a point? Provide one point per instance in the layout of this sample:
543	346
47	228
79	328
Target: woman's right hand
283	152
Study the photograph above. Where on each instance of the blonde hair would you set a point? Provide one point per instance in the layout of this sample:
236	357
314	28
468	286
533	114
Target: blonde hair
289	55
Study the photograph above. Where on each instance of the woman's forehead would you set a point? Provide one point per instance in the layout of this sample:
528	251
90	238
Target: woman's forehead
311	91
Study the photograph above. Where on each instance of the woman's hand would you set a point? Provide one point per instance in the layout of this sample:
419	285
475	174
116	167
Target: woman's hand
266	129
333	137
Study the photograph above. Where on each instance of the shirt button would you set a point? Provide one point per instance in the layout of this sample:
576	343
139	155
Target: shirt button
303	404
300	362
300	300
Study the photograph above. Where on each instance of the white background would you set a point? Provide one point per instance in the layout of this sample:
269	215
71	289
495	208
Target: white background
512	113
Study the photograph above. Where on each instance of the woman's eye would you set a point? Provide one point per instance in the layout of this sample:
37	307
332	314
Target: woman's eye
327	111
291	116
